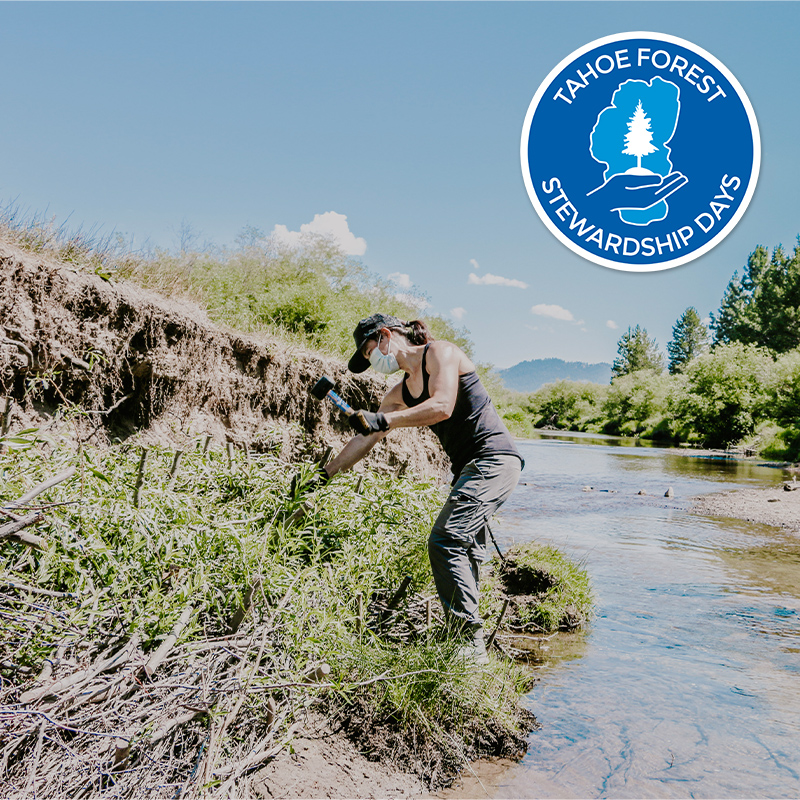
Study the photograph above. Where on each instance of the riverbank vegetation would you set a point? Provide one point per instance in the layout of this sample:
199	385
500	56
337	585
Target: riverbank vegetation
737	388
173	617
310	294
545	590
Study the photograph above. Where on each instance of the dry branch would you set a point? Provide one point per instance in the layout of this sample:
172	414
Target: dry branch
83	676
23	348
10	583
168	643
12	530
169	725
42	487
256	758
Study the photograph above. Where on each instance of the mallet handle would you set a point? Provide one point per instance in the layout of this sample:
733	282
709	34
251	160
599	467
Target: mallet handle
337	401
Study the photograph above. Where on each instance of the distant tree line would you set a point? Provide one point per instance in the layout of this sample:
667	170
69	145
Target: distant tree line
736	384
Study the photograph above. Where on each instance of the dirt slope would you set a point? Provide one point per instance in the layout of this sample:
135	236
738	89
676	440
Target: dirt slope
155	368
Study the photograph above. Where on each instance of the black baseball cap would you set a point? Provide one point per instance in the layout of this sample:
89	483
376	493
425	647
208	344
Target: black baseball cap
365	330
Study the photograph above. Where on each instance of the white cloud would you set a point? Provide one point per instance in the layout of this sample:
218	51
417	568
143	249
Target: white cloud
611	324
556	312
458	312
330	224
495	280
413	300
401	279
475	264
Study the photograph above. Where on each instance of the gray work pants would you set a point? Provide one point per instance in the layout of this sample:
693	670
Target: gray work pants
457	544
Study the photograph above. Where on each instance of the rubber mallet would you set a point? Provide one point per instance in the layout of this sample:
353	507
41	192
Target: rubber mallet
324	388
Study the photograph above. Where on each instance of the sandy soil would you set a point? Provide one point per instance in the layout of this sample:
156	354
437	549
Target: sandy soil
324	764
776	507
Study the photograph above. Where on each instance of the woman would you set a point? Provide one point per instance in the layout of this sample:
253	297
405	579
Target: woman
441	389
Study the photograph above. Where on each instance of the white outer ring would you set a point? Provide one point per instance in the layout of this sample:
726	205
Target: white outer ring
556	231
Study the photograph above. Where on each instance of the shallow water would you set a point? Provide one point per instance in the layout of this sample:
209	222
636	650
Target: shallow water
687	682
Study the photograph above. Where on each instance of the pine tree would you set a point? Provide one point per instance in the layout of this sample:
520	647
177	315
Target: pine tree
639	139
763	307
636	351
689	340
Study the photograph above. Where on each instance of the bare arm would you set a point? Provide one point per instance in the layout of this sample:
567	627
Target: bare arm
443	361
360	445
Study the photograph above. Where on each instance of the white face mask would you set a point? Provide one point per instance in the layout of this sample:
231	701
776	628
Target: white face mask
385	364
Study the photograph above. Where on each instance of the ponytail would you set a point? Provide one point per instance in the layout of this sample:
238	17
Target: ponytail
417	332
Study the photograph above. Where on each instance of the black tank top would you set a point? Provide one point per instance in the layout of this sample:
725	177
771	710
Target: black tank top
474	429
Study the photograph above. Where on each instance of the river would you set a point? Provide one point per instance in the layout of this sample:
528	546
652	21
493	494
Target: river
687	681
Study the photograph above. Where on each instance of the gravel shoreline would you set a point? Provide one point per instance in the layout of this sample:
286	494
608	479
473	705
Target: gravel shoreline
773	506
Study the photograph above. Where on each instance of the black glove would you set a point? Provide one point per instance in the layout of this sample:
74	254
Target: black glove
367	422
319	478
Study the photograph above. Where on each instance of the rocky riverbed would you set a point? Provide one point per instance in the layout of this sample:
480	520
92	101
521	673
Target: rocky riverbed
773	506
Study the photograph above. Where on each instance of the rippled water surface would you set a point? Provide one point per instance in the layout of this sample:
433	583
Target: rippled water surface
687	683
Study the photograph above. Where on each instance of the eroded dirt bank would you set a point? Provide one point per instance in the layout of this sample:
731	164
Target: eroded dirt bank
137	363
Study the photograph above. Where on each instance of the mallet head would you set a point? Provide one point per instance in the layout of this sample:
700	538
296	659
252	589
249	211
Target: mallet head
322	387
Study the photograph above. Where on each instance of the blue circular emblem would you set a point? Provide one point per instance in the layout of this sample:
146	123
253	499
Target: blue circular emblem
640	151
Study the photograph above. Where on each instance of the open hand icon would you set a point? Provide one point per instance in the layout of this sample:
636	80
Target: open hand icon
626	191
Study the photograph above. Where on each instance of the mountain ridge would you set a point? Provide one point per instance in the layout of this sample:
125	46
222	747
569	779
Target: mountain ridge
528	376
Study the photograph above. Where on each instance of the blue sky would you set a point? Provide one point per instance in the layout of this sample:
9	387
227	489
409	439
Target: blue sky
403	117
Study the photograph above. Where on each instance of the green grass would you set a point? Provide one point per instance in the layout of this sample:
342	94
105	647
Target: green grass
129	569
558	593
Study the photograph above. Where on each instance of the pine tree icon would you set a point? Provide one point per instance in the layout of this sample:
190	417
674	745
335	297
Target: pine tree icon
639	140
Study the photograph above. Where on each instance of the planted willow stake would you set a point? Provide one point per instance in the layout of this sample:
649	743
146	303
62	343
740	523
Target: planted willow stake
173	473
490	641
122	749
163	650
6	418
230	455
272	712
318	673
139	477
247	603
399	594
360	617
206	443
305	509
359	484
429	611
42	487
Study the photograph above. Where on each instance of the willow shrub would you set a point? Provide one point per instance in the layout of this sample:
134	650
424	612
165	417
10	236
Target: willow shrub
723	397
636	404
570	405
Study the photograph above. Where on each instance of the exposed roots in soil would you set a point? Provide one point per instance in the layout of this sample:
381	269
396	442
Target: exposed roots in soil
544	591
435	755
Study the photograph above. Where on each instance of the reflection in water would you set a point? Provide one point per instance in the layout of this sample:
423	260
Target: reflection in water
687	682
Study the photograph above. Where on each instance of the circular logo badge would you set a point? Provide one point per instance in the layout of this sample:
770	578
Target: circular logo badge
640	151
